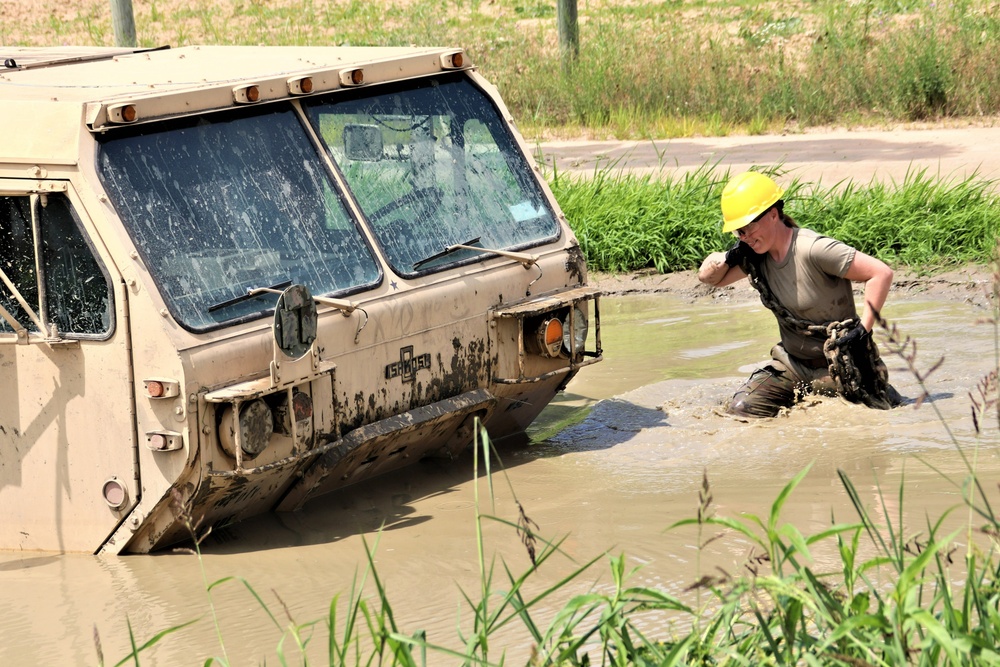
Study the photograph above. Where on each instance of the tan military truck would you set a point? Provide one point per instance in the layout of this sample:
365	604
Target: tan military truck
253	275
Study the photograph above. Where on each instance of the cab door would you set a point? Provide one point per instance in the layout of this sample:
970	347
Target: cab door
68	472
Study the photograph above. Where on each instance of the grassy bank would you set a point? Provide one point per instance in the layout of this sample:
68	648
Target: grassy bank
645	69
627	222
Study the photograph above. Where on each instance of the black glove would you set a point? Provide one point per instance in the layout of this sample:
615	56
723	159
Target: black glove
735	255
856	338
855	341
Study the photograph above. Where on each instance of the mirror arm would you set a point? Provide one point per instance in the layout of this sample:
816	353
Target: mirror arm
344	306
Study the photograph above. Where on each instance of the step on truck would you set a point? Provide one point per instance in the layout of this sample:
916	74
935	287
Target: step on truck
237	278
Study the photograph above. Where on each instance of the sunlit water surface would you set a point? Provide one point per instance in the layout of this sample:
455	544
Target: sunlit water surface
614	462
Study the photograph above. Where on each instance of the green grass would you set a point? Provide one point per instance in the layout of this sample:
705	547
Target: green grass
645	69
626	221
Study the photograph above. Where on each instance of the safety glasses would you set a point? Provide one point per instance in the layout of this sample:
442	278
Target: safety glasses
746	229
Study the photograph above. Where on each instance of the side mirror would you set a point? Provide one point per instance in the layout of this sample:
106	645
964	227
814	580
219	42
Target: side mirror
295	321
363	142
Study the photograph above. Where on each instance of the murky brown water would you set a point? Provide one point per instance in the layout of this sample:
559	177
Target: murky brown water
612	481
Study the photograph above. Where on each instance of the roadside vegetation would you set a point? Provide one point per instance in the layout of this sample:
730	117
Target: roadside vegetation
645	69
627	222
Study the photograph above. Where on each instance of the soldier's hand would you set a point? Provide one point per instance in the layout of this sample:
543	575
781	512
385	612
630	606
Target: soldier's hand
855	337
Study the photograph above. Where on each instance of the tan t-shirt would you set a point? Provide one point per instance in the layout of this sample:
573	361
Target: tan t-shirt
809	282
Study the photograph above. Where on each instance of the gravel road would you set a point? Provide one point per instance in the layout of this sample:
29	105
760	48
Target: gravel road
823	157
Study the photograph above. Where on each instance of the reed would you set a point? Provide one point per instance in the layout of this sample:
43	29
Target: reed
626	221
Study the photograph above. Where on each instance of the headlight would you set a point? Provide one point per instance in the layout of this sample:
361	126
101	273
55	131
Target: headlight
549	337
577	330
256	425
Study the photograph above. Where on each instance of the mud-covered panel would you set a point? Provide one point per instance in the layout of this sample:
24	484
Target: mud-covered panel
576	264
389	444
219	500
415	376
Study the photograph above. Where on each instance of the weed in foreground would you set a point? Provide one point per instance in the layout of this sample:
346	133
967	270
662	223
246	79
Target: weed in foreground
900	606
893	599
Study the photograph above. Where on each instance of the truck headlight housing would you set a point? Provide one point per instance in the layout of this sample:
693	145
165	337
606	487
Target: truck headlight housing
575	329
255	424
549	337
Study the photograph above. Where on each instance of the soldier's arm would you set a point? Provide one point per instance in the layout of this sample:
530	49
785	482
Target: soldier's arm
877	277
715	271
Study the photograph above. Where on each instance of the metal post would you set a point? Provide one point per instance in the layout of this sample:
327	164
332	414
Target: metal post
123	21
569	32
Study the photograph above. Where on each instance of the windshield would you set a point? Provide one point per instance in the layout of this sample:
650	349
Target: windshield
222	204
432	164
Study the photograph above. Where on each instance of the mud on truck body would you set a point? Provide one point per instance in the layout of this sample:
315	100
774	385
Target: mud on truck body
247	276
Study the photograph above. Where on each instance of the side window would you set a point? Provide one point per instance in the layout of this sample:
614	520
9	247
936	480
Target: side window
17	261
76	299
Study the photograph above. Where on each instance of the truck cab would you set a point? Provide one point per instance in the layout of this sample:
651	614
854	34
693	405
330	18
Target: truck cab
236	278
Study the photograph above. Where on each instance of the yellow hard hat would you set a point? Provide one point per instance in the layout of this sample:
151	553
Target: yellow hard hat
746	196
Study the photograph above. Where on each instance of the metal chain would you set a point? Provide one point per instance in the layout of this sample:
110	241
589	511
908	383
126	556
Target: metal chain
860	378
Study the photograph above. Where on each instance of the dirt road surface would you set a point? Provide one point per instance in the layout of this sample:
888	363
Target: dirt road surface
823	157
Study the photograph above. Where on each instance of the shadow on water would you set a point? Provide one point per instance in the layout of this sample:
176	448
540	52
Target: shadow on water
28	563
391	501
608	423
396	501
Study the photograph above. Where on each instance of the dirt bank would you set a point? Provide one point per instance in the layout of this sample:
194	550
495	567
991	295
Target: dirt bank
971	284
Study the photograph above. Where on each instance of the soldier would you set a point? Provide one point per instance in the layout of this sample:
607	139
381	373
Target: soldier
805	279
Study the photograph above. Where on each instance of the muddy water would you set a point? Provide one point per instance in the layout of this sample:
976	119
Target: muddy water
616	460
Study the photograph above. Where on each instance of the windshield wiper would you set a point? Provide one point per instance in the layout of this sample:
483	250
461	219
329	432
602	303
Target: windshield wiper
524	258
252	293
447	251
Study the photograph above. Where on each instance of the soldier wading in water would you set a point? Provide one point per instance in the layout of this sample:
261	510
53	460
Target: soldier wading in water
805	279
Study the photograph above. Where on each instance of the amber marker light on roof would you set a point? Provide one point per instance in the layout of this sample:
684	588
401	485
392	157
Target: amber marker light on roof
123	113
453	60
352	77
246	94
302	85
